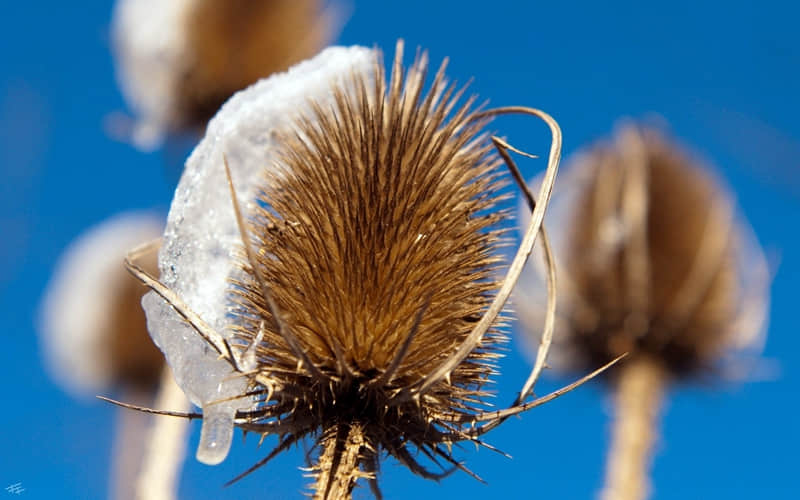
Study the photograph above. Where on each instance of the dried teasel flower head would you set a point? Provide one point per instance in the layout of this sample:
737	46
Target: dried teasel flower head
179	60
652	261
342	272
93	331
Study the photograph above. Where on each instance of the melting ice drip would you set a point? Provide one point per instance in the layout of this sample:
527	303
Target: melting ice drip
201	235
216	434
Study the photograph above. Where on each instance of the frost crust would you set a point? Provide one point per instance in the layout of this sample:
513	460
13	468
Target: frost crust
201	234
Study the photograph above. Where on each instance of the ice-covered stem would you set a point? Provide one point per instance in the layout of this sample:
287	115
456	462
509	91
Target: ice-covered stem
639	391
166	445
338	469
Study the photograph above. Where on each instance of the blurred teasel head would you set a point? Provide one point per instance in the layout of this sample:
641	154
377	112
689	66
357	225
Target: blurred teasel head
93	332
178	61
652	261
334	241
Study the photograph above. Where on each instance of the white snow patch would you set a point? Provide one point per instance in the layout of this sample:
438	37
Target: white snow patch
150	48
201	235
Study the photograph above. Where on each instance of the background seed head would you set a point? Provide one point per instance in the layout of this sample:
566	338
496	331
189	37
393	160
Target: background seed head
92	325
652	259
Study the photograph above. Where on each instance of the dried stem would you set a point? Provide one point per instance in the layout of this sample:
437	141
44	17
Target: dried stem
133	266
337	470
639	393
166	445
128	447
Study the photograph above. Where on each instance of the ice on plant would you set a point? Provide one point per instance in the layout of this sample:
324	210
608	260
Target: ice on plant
75	317
201	235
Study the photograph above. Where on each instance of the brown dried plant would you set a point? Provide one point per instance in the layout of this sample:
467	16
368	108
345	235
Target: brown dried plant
651	262
669	288
148	453
95	335
367	318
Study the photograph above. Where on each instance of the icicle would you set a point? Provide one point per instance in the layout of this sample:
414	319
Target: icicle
216	433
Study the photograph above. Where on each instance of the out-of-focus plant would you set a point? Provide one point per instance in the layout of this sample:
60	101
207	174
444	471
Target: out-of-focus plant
652	261
179	60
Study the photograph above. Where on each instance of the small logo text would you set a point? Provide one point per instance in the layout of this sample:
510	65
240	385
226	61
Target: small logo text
15	489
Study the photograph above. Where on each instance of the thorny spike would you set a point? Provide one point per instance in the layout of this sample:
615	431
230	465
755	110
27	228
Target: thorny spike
150	410
248	359
457	464
371	466
283	445
213	338
515	410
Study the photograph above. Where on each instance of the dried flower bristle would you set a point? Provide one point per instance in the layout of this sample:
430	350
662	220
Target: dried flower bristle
652	262
233	43
651	255
374	248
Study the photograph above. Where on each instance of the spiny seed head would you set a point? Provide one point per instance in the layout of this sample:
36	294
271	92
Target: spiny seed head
651	257
376	236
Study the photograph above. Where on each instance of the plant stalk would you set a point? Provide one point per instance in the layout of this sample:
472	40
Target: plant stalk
639	392
338	468
165	450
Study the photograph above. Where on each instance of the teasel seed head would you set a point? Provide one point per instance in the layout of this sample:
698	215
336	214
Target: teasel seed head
93	330
234	43
654	260
329	269
95	341
376	237
178	61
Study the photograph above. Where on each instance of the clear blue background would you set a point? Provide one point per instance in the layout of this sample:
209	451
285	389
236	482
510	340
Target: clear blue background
724	75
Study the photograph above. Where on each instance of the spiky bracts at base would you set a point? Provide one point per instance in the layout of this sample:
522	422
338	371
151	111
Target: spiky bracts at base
373	252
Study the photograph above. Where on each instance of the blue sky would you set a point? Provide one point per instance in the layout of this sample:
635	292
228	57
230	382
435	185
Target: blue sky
724	78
